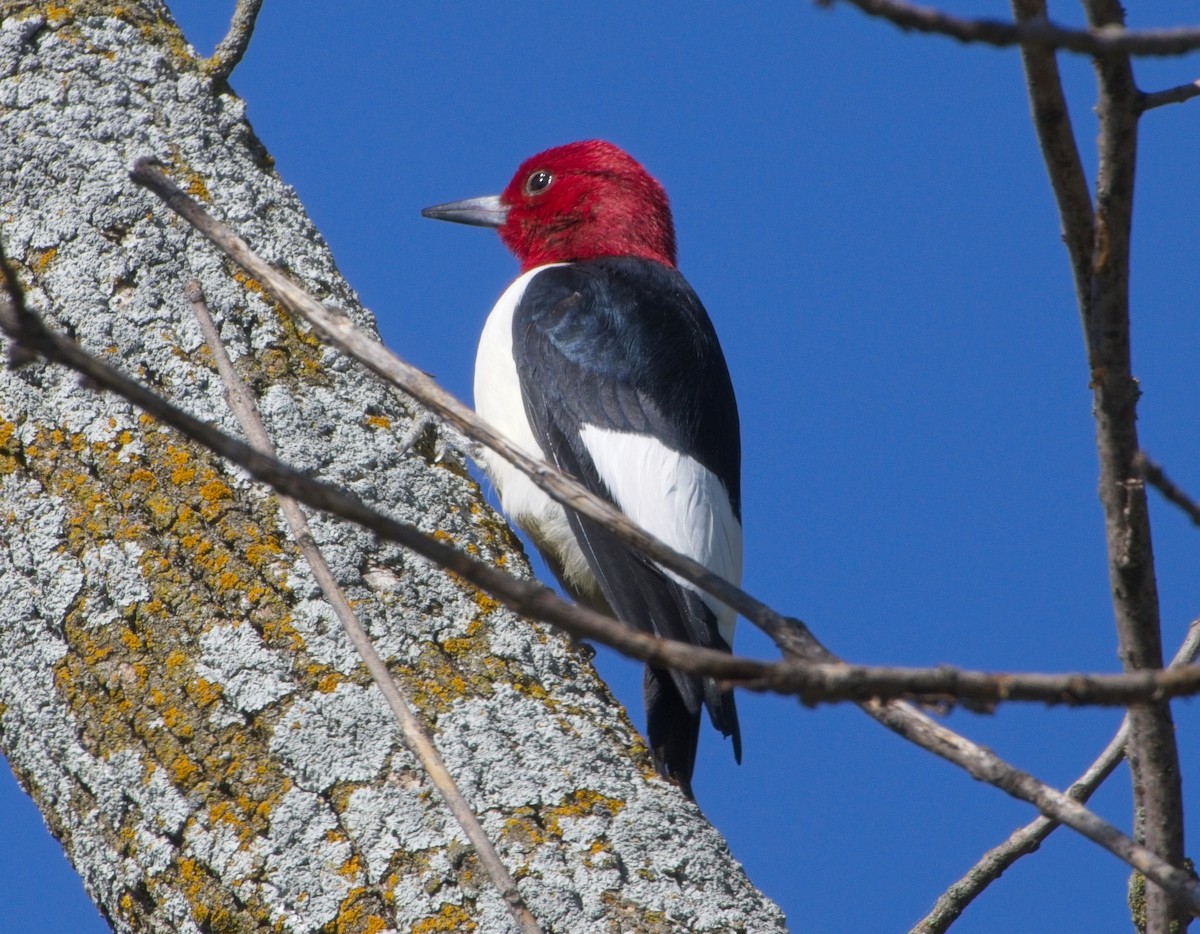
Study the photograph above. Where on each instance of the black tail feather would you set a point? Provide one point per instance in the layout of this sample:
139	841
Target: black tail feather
723	712
673	730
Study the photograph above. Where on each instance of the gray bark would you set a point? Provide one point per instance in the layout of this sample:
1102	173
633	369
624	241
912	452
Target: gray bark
174	693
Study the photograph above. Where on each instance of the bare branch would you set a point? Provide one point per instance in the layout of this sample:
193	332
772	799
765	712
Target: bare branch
1027	839
242	403
814	682
538	601
986	766
1154	475
818	683
815	673
231	49
1040	33
1098	245
1176	95
1151	748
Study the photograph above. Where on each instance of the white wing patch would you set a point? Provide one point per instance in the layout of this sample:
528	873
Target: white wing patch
676	499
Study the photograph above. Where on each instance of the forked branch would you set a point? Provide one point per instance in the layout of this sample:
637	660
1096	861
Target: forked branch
1171	492
1027	839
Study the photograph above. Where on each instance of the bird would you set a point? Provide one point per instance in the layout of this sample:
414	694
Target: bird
600	358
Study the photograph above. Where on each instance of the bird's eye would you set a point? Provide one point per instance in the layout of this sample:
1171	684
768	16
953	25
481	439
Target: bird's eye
538	182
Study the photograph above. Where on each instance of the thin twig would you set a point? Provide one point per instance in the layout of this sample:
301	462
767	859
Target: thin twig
813	683
823	683
1176	95
540	603
1052	120
1034	33
231	49
242	403
1027	839
1154	475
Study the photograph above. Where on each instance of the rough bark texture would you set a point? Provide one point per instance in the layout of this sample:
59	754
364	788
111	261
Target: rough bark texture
174	693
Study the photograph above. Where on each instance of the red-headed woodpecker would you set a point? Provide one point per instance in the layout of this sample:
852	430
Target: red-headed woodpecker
601	359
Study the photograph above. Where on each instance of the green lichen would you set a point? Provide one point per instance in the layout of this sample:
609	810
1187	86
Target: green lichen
1137	901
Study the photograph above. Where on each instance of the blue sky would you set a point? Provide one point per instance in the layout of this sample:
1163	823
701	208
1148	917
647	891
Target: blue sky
866	217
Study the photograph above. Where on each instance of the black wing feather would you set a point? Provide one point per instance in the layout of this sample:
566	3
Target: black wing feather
624	344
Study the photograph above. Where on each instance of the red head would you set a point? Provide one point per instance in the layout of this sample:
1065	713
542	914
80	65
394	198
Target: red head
576	202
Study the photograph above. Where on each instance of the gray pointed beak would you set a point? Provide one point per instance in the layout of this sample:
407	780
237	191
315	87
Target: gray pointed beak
487	211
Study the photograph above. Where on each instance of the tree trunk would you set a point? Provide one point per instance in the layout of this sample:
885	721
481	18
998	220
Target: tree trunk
174	692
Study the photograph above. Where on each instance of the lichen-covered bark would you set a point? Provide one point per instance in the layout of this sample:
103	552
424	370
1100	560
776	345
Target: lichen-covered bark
174	693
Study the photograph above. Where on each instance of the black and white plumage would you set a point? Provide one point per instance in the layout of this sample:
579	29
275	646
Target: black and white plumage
608	367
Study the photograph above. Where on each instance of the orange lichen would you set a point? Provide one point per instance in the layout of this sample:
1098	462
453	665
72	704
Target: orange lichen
487	605
183	474
280	629
581	803
176	721
183	768
259	552
251	285
197	189
457	646
450	918
215	494
204	692
229	581
143	477
360	913
378	421
132	640
328	684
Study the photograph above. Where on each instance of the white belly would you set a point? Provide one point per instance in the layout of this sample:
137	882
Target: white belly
498	400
